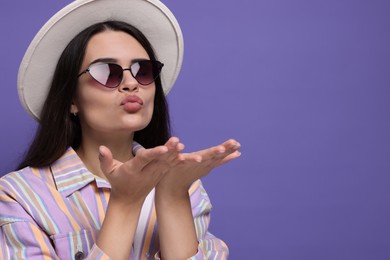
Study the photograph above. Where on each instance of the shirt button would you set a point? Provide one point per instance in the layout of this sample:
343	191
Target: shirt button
79	255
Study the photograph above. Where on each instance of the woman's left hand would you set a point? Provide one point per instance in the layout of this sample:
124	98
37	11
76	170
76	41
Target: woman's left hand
185	168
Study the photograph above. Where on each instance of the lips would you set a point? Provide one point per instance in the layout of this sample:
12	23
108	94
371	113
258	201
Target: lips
132	104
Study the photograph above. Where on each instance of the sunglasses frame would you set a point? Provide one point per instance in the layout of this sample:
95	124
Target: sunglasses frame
156	66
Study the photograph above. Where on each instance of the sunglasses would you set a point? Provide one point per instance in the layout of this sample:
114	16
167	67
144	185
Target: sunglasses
110	75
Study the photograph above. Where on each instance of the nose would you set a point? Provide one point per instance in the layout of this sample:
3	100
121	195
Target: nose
129	83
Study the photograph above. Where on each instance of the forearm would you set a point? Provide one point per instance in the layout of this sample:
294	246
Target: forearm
176	228
117	232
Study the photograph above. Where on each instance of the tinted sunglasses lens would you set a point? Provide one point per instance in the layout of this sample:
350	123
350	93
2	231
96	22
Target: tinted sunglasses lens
109	75
145	72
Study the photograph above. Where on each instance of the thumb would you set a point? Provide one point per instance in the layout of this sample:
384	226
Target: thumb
106	160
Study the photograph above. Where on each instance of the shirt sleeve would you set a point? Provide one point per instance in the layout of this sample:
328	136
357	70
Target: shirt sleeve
210	247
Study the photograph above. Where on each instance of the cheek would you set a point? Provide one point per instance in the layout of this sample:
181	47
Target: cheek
95	84
91	93
151	101
89	101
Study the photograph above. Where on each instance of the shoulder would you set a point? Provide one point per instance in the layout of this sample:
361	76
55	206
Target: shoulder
23	193
25	179
8	180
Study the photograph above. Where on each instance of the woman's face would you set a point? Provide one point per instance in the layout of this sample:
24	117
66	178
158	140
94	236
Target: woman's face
128	107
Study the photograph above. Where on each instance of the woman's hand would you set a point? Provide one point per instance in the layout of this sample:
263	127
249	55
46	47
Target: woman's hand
185	168
132	181
164	167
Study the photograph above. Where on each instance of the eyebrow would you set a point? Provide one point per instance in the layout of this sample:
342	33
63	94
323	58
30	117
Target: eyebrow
112	60
104	60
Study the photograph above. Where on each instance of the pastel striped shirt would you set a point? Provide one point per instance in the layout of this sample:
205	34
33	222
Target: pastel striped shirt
56	213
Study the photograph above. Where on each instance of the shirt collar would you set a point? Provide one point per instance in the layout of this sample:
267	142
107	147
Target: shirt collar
70	174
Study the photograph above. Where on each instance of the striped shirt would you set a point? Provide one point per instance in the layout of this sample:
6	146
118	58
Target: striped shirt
56	213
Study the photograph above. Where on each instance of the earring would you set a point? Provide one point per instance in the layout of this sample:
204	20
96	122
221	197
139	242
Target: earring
75	114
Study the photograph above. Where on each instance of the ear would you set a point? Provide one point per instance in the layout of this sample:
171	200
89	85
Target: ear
73	108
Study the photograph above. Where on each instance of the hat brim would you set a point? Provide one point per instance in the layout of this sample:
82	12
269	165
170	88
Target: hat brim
151	17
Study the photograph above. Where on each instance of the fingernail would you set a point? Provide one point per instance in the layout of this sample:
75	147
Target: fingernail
180	147
101	152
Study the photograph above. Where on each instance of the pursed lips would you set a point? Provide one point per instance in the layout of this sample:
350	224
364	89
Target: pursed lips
132	99
132	104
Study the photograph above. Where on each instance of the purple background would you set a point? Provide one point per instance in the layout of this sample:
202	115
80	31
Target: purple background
303	85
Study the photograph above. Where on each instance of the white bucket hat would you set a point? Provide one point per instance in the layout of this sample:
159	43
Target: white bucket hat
151	17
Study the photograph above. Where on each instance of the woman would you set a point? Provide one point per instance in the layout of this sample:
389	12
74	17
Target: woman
103	170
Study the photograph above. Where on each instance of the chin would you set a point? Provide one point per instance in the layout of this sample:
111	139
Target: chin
134	126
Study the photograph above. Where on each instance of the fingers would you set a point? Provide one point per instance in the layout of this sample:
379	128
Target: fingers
223	153
227	149
175	147
220	154
146	156
231	145
173	143
164	157
143	158
229	152
230	157
106	160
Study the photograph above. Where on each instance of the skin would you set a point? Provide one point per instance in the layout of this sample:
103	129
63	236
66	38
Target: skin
108	132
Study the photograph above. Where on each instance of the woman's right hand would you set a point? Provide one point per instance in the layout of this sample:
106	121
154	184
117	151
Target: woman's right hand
132	181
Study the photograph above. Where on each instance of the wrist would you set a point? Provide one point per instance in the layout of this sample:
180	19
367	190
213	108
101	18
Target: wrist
125	205
170	194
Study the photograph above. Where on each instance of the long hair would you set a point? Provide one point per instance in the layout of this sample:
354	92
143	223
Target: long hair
58	129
